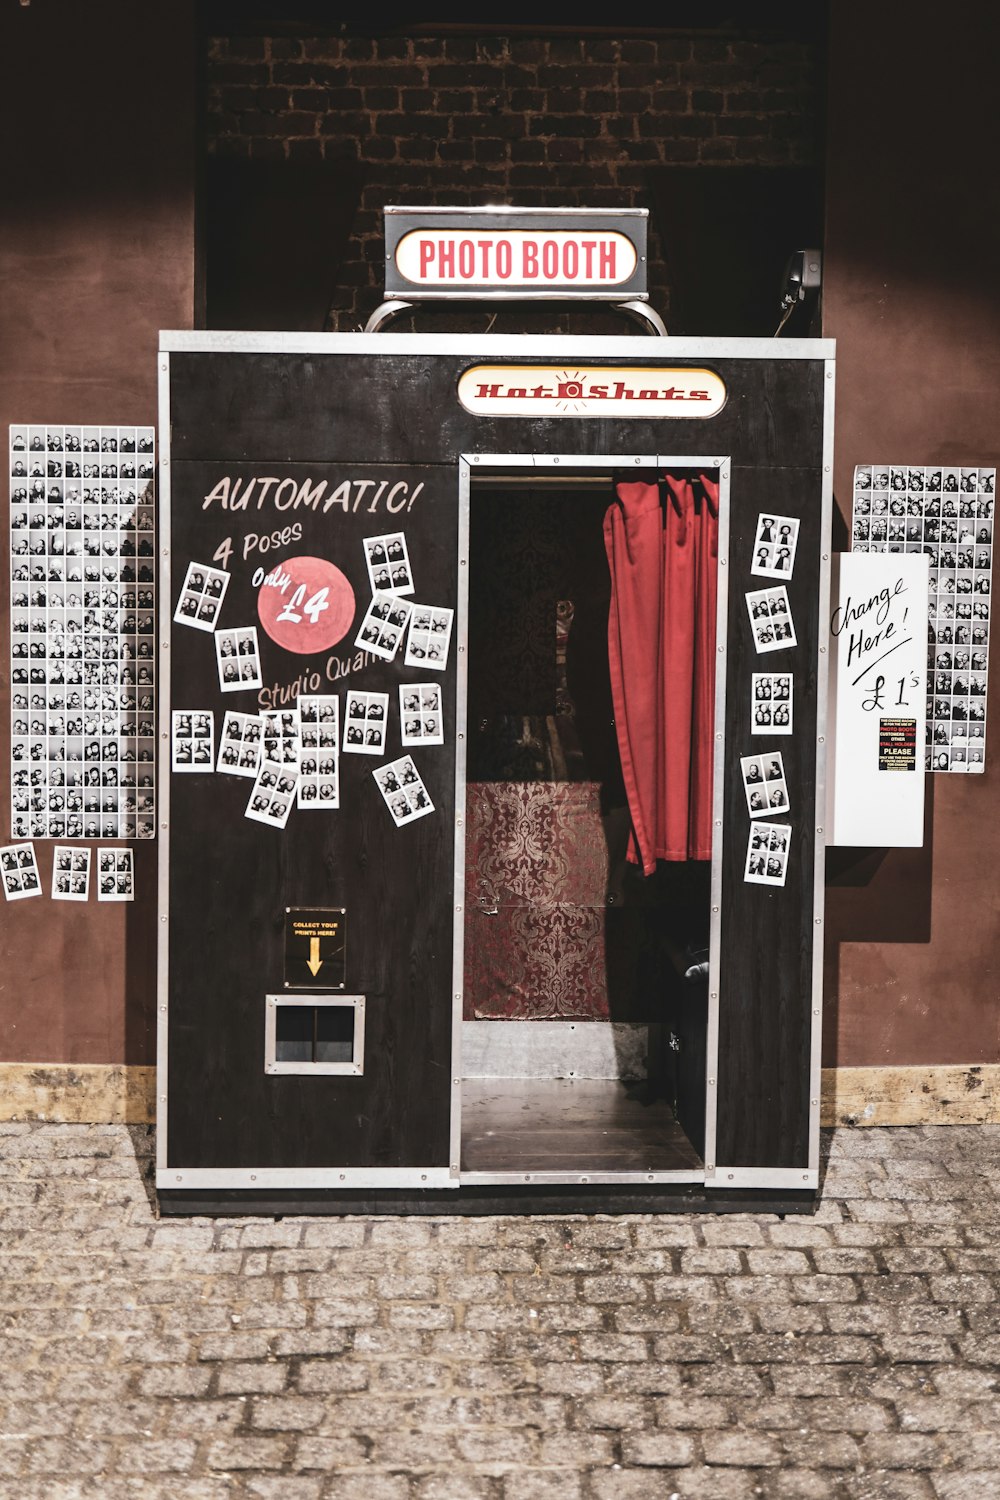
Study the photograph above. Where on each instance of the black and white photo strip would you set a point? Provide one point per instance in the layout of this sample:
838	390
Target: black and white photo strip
771	619
240	744
82	618
273	793
319	754
774	546
771	702
764	784
383	626
192	739
429	638
115	875
281	736
403	791
947	513
420	718
366	717
70	873
238	655
201	596
767	854
19	868
388	564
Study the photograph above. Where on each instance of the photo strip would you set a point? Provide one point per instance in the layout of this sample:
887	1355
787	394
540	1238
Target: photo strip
429	638
947	513
281	736
403	791
767	854
273	794
70	873
388	564
240	744
420	718
764	784
365	721
82	610
19	867
238	656
771	703
771	619
201	597
115	876
192	742
383	625
319	754
774	546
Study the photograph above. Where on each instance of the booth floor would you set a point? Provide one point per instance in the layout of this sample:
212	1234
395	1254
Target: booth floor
853	1355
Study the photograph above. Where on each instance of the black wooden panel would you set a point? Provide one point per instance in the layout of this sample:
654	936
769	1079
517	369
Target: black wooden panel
768	932
336	407
231	878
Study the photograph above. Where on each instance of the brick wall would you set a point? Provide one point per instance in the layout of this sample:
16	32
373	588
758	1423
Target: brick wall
561	121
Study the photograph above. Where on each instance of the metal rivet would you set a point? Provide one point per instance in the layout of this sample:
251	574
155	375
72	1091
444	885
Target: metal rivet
458	908
815	1012
253	1176
826	468
721	649
163	367
710	1166
826	557
805	1176
819	830
163	919
711	1083
813	1101
715	908
822	650
819	921
718	822
714	995
829	374
731	1176
722	562
821	740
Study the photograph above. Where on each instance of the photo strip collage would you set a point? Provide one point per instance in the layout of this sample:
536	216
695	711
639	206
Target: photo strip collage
771	700
293	755
947	513
71	869
82	612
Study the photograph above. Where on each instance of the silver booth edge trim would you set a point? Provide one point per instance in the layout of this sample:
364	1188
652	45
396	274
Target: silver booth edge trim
568	346
303	1177
163	620
484	465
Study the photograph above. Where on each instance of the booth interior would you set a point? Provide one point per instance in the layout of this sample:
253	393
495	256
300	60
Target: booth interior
585	994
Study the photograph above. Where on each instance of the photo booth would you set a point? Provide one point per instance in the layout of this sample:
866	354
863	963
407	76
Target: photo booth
501	887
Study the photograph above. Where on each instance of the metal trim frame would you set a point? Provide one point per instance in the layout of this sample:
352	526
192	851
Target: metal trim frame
303	1177
164	594
575	1179
802	1178
310	1069
724	467
488	465
521	346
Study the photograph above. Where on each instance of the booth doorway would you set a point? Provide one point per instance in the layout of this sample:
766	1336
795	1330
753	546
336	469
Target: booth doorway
586	1017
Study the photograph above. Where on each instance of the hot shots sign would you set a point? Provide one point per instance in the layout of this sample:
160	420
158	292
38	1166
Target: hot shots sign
598	391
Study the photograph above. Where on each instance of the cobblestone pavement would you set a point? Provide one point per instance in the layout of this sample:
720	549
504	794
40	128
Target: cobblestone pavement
853	1355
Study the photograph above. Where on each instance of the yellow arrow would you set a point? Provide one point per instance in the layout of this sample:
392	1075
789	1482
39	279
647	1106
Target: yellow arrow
314	963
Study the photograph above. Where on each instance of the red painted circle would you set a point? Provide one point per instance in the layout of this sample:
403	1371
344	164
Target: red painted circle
297	613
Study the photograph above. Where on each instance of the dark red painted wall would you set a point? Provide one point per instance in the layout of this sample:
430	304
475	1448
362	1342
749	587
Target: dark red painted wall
912	250
97	142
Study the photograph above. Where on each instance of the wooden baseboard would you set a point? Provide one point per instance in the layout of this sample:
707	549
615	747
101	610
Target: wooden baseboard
113	1094
941	1095
78	1093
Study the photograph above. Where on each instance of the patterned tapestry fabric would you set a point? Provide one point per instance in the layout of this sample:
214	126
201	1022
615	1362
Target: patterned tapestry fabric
557	926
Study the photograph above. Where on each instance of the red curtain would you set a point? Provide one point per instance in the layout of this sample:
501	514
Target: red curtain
662	542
